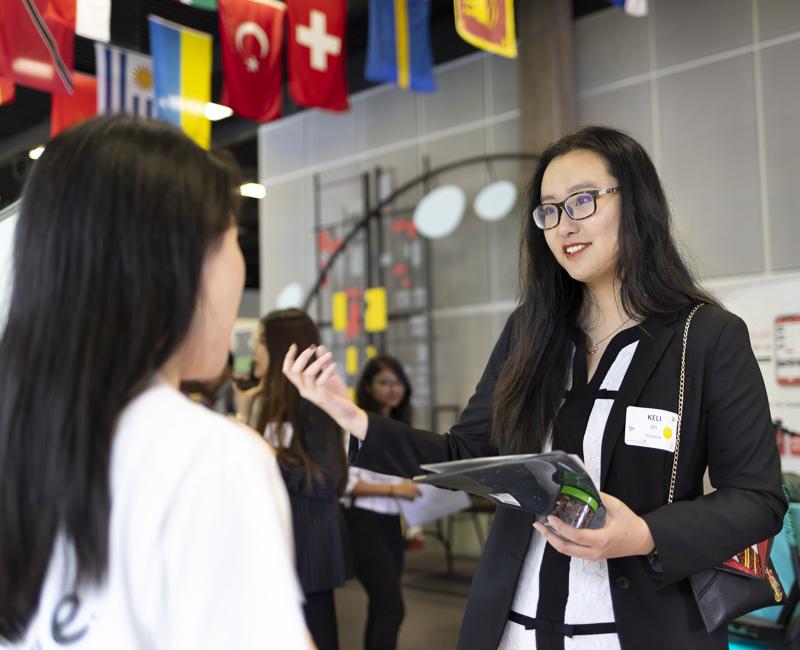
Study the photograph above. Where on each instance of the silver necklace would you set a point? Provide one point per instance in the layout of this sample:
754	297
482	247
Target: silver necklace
591	348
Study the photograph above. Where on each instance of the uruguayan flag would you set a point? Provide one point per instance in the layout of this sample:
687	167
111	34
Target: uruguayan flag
124	81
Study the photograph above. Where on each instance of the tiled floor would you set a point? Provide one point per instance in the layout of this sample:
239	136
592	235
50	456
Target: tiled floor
434	603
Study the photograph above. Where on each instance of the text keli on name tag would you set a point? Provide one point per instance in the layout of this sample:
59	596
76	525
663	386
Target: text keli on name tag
651	428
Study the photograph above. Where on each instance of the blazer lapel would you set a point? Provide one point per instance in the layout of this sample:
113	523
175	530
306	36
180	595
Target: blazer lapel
648	353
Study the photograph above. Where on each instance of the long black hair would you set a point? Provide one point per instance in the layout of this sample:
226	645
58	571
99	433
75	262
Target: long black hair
115	220
654	281
316	444
366	400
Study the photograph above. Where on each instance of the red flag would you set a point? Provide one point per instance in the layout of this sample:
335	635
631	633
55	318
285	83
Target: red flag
70	109
37	43
6	91
316	53
251	32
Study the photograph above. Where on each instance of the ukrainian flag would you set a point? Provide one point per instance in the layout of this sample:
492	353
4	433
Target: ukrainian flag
182	76
399	44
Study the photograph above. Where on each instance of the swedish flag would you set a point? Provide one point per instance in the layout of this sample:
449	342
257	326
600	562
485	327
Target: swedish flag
399	44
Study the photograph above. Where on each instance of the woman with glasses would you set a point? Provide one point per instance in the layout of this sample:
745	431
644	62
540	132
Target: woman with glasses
311	455
587	363
373	516
129	516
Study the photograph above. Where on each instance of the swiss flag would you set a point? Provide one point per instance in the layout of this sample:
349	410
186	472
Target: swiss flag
251	32
316	53
67	110
37	43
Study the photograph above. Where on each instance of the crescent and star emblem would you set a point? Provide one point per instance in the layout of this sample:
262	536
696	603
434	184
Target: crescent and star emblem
250	28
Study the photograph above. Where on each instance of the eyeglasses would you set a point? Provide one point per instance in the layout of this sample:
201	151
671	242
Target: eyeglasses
388	383
577	206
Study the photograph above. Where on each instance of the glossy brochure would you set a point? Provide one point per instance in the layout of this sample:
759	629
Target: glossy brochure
541	484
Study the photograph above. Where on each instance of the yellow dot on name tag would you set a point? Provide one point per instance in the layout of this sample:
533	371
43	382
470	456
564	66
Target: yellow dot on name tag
667	433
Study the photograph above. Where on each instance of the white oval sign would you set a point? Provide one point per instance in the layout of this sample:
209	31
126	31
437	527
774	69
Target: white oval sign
495	201
439	212
291	296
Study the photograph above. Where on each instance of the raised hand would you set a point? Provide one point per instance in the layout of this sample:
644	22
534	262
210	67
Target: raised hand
313	372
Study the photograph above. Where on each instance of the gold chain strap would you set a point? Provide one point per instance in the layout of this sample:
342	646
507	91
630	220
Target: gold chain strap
681	390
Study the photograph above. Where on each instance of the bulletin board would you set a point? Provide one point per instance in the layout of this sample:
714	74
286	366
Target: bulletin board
771	308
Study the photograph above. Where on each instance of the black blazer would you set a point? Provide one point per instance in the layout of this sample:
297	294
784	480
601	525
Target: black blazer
726	427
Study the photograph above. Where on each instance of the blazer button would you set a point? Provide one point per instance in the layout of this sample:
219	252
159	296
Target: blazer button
622	582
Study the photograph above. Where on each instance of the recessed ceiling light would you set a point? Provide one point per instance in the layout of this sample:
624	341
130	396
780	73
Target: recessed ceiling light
216	112
253	190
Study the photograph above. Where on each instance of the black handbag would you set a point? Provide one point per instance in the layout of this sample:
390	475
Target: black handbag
725	592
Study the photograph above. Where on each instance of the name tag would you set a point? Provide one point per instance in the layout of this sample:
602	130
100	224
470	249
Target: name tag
651	428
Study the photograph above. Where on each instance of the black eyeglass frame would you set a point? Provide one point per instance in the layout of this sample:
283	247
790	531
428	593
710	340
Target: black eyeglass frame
561	205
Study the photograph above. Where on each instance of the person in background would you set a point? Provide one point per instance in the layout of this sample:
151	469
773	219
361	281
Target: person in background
373	519
311	455
130	517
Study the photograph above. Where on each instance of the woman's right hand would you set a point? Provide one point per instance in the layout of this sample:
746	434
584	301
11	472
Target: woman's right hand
406	490
320	384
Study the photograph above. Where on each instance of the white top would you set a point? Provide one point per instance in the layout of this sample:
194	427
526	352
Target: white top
200	543
589	598
382	505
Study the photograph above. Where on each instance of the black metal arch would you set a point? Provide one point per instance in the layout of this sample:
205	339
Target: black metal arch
375	212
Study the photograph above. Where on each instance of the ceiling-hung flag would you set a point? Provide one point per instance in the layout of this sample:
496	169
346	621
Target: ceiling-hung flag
210	5
399	44
7	91
182	73
316	57
636	8
93	19
67	110
487	24
37	43
124	81
251	35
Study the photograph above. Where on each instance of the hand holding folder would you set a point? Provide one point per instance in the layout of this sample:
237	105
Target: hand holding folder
541	484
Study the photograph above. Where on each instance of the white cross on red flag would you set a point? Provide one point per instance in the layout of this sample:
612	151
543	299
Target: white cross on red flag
251	33
316	44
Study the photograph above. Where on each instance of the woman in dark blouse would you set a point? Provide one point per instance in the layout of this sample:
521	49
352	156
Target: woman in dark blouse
311	455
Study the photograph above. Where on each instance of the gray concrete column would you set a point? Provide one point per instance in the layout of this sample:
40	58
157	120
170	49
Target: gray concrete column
546	71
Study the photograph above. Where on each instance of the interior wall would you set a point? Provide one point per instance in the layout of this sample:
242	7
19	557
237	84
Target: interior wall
712	89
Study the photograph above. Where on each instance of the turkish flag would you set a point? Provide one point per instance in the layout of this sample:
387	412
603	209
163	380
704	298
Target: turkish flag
67	110
317	75
251	32
7	92
37	43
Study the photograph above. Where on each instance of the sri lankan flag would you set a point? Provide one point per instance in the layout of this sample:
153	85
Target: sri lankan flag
6	91
399	44
487	24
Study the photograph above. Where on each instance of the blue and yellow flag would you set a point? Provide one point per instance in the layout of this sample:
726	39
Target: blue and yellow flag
182	75
399	44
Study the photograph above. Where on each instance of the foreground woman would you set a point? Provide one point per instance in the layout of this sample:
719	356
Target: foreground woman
130	517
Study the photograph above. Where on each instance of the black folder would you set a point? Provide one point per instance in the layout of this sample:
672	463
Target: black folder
541	484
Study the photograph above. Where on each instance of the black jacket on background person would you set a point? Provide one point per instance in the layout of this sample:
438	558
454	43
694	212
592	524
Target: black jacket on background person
316	515
726	427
